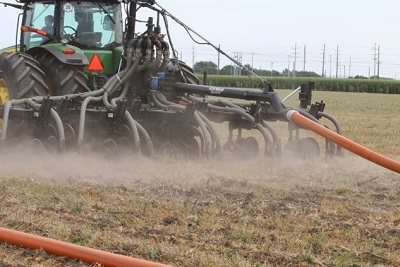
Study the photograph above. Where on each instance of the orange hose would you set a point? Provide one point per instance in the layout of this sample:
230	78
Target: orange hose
60	248
344	142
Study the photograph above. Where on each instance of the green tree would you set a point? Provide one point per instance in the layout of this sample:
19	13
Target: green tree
226	70
209	66
307	74
360	77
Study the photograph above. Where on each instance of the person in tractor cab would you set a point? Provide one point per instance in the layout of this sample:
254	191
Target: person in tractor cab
84	25
48	21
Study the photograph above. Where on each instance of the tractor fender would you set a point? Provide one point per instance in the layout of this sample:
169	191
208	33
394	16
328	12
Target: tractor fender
67	54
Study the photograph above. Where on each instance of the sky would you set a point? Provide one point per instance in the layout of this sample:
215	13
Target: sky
357	34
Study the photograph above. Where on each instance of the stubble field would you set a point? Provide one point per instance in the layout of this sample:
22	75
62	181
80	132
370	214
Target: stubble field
341	211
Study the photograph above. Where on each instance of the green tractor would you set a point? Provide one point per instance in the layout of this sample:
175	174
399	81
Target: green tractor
65	47
82	78
67	51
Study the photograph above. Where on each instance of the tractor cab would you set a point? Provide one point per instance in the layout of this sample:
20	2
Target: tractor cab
85	24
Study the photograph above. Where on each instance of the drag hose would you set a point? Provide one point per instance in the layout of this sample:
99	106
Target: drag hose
60	248
296	117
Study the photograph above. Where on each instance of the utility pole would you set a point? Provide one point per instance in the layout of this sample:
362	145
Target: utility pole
252	61
304	63
374	58
272	68
219	49
295	59
379	56
193	57
323	62
238	57
350	67
337	61
344	71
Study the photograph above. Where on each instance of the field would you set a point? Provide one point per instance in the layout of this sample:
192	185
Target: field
342	211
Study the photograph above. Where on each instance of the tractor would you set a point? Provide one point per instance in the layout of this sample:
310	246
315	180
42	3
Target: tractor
82	78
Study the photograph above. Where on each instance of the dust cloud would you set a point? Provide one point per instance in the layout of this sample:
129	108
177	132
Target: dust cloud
286	171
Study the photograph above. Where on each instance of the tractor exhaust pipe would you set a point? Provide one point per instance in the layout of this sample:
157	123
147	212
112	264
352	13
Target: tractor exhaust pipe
296	117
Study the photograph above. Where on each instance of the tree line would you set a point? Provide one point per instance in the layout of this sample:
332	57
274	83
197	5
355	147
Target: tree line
211	68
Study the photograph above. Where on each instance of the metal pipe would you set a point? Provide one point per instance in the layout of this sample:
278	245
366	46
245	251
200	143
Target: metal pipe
292	93
245	94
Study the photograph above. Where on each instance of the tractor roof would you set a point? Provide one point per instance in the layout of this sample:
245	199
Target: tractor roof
47	1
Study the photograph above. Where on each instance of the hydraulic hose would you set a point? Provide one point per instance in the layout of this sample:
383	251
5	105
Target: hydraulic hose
121	77
133	126
60	248
149	144
211	128
82	118
166	54
6	115
59	124
337	125
296	117
213	132
53	113
230	107
205	125
163	103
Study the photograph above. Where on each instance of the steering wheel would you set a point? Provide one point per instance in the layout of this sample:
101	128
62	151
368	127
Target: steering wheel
69	27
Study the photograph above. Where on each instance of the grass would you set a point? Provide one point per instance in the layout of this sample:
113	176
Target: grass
227	212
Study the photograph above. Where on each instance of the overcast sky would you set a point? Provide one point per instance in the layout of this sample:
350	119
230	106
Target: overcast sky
275	33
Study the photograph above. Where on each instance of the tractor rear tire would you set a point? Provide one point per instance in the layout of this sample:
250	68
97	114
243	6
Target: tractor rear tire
188	73
62	79
20	77
174	68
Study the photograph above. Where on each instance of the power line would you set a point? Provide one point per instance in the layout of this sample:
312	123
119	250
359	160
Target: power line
323	62
357	62
337	60
304	65
295	59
